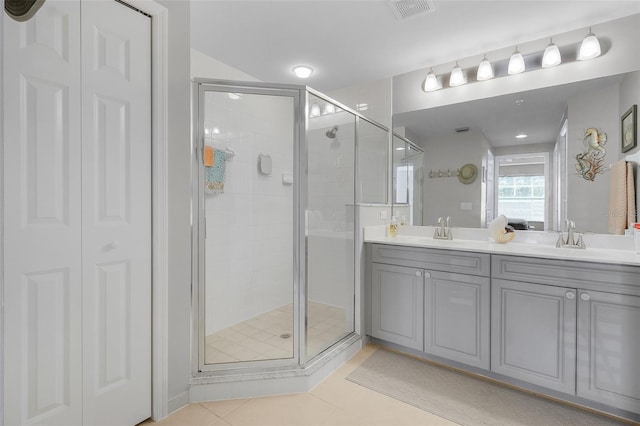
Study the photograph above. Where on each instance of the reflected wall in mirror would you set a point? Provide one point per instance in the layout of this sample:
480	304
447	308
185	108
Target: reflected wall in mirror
546	126
408	180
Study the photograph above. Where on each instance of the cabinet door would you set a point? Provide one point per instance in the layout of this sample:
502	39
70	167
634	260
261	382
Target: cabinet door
533	333
397	304
456	317
609	349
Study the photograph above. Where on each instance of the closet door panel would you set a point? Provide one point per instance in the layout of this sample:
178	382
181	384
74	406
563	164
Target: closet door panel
116	208
42	223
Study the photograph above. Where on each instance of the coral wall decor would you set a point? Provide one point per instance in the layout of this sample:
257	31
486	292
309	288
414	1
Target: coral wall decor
591	162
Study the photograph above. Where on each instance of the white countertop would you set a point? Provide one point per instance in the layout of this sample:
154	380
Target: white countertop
527	243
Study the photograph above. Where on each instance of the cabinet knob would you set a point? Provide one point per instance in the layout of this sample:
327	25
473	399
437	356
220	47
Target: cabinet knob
418	274
570	295
585	296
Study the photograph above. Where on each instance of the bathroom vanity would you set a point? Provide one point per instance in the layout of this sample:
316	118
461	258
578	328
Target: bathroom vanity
558	321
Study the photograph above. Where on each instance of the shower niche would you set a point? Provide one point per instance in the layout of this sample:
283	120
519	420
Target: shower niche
274	223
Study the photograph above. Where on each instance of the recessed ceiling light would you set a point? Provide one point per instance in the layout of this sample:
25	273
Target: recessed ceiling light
302	71
521	136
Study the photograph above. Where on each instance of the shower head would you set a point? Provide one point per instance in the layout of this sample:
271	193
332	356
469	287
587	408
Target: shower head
331	134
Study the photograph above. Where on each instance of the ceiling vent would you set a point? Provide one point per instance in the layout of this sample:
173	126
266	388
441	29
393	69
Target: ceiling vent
403	9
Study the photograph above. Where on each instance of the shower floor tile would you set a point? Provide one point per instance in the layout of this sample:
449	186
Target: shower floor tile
261	337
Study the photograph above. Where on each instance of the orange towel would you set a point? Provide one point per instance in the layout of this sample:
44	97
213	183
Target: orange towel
209	156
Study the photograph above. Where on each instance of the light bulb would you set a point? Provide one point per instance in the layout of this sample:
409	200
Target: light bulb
485	70
315	110
329	108
589	48
516	63
457	77
431	82
551	56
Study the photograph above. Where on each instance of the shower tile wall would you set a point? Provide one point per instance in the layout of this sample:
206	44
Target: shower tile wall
249	245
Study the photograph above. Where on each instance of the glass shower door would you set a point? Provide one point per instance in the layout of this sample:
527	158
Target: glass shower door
247	197
330	217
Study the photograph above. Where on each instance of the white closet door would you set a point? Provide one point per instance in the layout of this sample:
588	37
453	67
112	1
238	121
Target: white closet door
42	224
116	213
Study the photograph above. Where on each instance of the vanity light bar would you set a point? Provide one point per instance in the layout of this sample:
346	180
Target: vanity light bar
589	48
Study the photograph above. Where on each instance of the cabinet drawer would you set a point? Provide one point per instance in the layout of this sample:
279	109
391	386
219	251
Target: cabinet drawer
432	259
568	273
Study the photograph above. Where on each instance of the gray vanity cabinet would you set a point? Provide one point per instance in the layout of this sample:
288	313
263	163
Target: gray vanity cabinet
397	294
435	301
609	349
533	333
456	320
556	323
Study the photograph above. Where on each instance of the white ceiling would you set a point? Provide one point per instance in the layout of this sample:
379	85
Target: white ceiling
351	42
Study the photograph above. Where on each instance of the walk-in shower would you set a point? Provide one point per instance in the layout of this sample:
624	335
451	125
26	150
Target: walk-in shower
274	209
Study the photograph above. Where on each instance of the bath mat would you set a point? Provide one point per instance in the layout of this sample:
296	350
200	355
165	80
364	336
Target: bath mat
461	398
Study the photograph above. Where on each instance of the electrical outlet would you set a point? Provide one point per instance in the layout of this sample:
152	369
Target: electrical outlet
383	215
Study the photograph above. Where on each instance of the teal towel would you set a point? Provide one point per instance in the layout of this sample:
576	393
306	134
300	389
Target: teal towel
214	176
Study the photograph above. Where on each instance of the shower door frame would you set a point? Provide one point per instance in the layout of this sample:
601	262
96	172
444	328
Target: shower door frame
199	87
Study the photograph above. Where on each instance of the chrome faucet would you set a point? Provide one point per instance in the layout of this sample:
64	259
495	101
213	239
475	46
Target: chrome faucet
570	241
443	231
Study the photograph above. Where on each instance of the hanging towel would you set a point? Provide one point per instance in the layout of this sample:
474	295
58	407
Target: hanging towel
631	196
214	176
208	156
622	198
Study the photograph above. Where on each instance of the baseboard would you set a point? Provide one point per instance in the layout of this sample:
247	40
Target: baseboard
177	402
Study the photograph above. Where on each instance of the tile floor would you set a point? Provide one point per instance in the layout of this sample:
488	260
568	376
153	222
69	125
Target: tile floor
261	337
335	401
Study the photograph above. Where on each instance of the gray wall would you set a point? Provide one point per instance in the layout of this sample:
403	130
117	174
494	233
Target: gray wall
443	196
621	35
179	341
629	95
588	201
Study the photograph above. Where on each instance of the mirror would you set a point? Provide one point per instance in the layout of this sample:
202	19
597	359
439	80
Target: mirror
524	148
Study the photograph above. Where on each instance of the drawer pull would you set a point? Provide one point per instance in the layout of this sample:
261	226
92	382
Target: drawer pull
427	275
570	295
418	274
585	296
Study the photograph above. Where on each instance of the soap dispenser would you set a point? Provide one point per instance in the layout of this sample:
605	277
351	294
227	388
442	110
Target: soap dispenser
393	227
